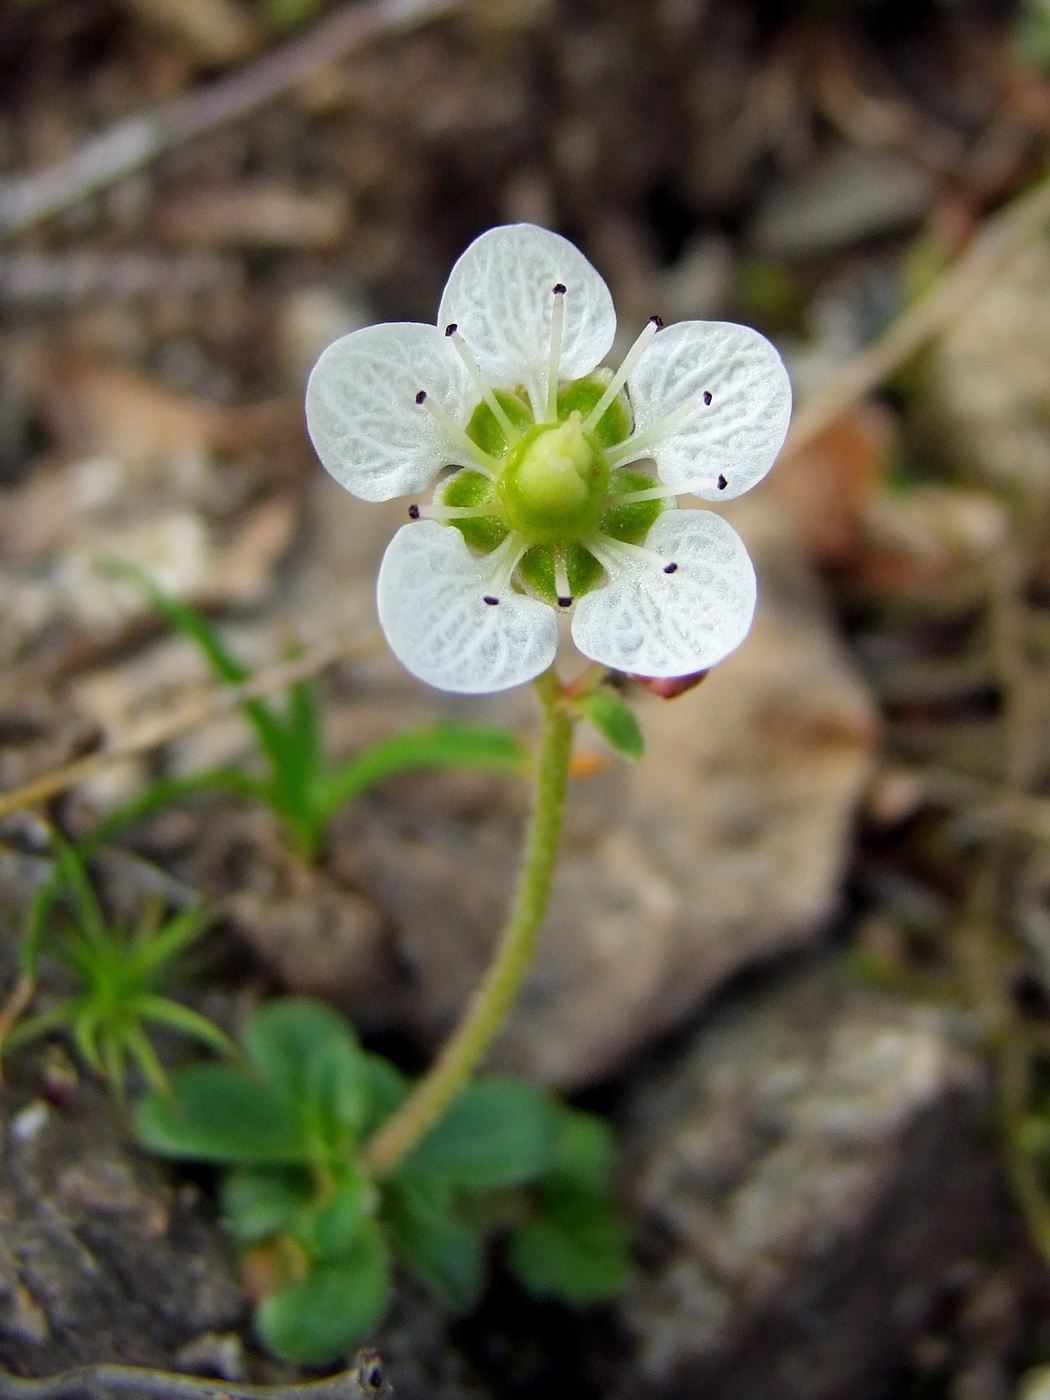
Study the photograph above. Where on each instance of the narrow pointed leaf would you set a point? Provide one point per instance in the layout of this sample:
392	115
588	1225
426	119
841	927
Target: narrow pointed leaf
165	1012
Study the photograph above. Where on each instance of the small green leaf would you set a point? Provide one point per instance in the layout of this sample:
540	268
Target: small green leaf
163	1011
386	1089
575	1249
307	1053
584	1150
329	1228
220	1114
259	1202
499	1132
437	1246
614	720
436	746
322	1317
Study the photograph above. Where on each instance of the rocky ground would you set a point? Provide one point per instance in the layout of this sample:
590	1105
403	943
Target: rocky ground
801	952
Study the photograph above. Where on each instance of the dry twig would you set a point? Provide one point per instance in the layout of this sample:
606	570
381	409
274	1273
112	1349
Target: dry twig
1003	234
337	647
130	144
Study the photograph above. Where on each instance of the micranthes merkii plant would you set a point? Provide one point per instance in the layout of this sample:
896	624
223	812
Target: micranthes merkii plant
544	512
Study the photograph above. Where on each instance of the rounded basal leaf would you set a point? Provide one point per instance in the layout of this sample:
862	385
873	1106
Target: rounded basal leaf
499	1132
501	296
330	1227
309	1055
656	623
741	404
259	1202
362	414
431	599
220	1114
436	1245
321	1318
575	1250
584	1150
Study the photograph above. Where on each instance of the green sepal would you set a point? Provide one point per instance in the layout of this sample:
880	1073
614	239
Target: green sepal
220	1114
574	1249
436	1245
537	571
499	1132
581	396
260	1202
308	1055
630	523
319	1319
484	428
614	720
473	488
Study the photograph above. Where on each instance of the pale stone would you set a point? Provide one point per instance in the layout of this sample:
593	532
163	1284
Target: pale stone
766	1167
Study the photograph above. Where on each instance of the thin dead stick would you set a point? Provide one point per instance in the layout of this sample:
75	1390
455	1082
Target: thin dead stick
188	716
130	144
364	1381
1004	233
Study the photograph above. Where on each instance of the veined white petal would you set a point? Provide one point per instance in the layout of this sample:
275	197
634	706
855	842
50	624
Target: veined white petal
500	294
652	623
362	413
741	397
431	599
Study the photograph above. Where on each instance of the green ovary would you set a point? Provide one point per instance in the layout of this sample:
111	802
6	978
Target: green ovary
553	482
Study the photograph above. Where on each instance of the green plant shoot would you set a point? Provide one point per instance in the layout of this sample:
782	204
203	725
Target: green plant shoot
300	785
118	971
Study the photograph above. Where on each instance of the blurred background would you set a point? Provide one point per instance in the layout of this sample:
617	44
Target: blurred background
801	952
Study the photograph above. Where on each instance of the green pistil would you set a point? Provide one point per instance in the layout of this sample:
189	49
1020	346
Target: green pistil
555	487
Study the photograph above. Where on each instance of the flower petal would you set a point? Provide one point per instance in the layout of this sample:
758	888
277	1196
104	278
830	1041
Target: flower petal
658	624
362	413
431	606
739	431
500	294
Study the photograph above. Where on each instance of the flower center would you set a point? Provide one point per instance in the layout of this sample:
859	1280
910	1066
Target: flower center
553	482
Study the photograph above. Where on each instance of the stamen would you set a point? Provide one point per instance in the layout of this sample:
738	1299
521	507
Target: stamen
438	512
413	512
510	432
561	580
610	552
500	565
638	446
619	379
554	361
477	455
663	492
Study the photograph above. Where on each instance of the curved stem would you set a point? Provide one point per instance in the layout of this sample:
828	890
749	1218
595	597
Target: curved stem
496	994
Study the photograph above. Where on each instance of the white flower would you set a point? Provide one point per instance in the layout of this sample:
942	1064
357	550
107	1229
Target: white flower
549	509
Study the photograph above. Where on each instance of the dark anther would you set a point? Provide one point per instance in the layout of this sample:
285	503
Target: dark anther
372	1375
559	289
722	483
421	397
413	512
490	600
564	602
707	397
671	568
657	321
451	328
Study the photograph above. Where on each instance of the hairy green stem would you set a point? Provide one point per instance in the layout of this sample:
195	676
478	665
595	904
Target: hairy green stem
496	994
